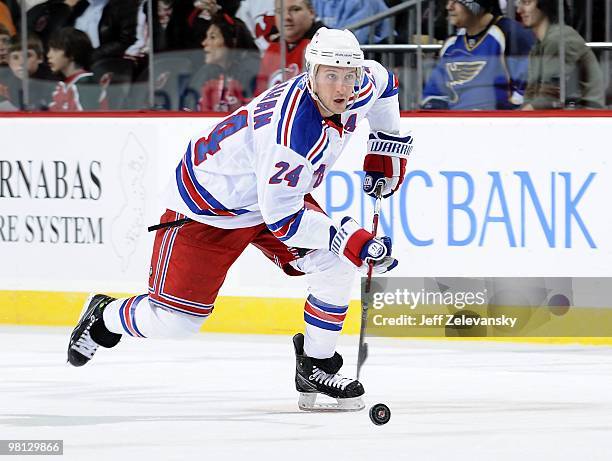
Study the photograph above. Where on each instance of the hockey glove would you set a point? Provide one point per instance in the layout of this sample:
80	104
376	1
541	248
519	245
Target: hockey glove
385	162
359	247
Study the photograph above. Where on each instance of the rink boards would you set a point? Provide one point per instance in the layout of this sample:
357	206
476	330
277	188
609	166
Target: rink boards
484	196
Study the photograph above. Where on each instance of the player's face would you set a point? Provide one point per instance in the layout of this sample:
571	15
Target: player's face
214	46
16	63
530	14
458	14
58	62
298	18
334	87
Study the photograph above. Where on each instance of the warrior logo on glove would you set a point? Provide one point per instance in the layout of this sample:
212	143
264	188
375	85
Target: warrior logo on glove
386	162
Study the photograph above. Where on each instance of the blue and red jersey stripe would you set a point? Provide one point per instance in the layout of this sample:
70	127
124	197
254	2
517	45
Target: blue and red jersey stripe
392	86
287	227
199	200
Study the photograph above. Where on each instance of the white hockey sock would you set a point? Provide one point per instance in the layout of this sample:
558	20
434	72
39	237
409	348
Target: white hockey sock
137	317
323	326
329	284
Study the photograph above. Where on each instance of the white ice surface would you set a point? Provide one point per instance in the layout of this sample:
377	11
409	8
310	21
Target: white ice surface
232	397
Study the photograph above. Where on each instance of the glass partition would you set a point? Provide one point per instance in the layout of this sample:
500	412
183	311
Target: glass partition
208	56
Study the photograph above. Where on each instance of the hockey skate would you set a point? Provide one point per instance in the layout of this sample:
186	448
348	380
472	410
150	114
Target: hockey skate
320	376
90	332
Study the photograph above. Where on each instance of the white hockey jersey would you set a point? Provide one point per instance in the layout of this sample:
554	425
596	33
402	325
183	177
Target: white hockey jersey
258	164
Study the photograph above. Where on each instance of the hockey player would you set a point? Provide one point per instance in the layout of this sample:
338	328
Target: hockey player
484	66
248	181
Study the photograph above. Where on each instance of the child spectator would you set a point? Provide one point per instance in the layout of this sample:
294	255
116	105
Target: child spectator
40	77
584	81
35	65
69	55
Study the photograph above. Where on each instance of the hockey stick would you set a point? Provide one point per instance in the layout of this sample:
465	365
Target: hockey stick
178	222
362	353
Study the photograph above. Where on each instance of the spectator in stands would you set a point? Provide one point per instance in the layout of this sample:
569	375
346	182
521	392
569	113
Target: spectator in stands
173	25
204	10
5	40
163	33
484	66
338	14
36	66
110	24
584	81
40	78
258	15
300	26
227	79
49	16
69	55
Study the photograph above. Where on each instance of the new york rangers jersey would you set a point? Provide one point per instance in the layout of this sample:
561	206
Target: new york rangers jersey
257	164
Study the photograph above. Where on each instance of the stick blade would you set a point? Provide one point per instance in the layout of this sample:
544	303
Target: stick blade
362	355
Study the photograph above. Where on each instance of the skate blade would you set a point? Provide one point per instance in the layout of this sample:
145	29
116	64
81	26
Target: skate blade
308	402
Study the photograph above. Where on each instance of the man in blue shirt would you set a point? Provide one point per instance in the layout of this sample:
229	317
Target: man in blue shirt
337	14
484	66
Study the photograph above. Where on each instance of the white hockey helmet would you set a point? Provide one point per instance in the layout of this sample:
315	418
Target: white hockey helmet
333	47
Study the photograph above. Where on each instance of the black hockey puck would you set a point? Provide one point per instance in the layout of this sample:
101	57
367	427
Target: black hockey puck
380	414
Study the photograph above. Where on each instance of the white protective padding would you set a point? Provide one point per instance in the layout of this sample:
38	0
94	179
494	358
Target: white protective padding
329	280
153	321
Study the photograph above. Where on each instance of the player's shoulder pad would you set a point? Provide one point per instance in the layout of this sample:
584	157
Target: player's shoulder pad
300	124
378	79
385	81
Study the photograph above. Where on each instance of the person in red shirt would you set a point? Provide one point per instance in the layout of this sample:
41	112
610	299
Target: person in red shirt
299	28
227	79
69	54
